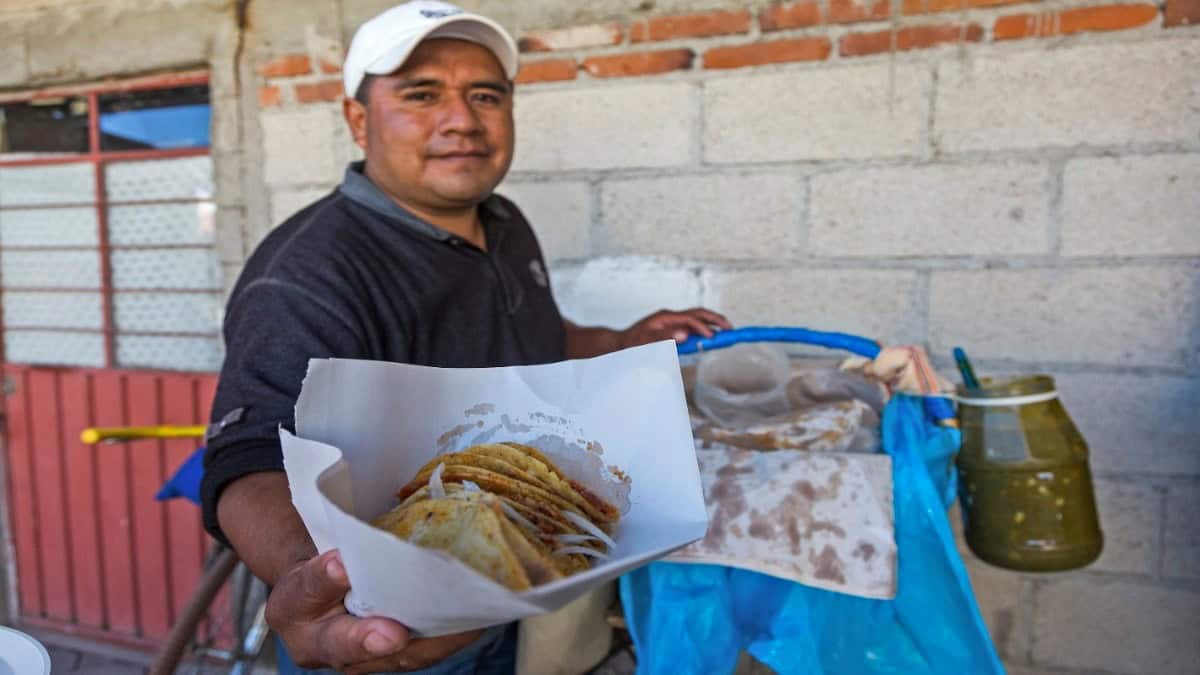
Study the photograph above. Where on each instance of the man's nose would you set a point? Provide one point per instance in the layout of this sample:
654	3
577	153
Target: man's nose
458	116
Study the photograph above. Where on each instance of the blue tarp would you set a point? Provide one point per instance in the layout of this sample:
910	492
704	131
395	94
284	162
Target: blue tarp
697	618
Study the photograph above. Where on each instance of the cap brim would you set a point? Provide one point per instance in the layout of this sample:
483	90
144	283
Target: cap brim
470	27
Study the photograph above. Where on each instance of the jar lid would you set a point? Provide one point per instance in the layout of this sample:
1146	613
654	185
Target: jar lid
1009	391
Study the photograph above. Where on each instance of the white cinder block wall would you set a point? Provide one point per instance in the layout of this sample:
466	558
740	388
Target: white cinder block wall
1020	178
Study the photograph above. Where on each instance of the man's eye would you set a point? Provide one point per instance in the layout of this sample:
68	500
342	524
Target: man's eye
489	98
418	96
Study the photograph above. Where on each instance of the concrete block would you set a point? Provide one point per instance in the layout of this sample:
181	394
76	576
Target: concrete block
286	202
1136	423
718	216
73	41
298	146
292	26
1131	206
998	593
229	223
225	135
605	127
1147	92
229	276
616	292
1130	517
1122	316
1086	622
560	213
228	178
14	65
862	111
928	211
1182	557
878	304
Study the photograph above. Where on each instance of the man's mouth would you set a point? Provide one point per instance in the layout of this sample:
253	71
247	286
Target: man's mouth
462	154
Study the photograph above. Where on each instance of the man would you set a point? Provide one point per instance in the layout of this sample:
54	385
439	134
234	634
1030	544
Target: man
413	259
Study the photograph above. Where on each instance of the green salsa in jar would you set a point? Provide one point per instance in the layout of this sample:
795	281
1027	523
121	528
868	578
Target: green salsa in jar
1023	478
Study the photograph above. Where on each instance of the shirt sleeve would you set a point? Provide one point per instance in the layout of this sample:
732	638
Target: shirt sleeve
272	328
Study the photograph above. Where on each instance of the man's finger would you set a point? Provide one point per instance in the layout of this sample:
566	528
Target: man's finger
344	640
692	324
420	653
713	318
710	317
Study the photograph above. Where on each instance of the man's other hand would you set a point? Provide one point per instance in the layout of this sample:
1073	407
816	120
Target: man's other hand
678	326
305	608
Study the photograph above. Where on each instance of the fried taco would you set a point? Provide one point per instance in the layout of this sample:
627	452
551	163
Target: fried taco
506	511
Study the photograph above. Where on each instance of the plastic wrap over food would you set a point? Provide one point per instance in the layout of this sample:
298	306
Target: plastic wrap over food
844	426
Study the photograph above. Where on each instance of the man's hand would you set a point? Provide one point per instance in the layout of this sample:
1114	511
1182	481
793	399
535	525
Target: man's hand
305	608
667	325
588	341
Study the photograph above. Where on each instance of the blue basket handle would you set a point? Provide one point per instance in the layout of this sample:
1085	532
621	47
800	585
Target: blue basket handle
726	338
937	407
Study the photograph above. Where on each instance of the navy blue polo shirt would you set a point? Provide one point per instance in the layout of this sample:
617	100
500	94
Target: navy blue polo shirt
354	275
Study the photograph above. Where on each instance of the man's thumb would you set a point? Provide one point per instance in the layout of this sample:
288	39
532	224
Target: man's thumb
323	581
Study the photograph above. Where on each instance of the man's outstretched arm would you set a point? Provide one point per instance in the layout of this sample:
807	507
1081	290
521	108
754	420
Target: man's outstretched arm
587	341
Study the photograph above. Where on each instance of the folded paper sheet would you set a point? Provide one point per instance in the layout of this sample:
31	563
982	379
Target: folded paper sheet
821	519
363	428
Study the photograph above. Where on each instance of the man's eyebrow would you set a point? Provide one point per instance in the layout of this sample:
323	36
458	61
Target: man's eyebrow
501	86
416	82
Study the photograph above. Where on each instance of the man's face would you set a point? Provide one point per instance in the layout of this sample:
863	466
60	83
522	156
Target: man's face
438	132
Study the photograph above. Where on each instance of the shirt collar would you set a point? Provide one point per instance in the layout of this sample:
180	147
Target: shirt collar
356	186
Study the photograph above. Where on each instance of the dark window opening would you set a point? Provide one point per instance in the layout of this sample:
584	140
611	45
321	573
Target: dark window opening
50	125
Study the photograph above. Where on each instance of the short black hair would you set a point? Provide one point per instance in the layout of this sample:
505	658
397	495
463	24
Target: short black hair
363	93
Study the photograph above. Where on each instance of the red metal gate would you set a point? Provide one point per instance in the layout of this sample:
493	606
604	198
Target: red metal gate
96	555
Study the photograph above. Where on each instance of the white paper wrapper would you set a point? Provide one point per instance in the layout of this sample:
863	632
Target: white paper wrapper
365	427
821	519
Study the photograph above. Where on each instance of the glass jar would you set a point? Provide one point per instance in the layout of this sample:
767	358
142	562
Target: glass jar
1024	482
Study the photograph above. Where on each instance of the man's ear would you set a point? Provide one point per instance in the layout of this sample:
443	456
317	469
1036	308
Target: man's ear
356	118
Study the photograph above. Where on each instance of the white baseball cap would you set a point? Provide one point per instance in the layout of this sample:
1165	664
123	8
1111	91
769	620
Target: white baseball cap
383	44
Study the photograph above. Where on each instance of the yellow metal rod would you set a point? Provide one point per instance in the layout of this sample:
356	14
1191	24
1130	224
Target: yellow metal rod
97	434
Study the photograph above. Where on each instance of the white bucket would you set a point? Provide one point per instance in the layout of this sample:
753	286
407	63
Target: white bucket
21	654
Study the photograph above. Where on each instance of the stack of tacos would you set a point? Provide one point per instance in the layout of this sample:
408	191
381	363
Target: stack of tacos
507	511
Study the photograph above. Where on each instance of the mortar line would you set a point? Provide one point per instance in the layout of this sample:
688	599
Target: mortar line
597	232
802	245
923	303
1057	171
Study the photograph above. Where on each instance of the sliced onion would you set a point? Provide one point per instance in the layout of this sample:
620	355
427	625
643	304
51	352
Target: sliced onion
581	550
519	519
436	489
588	527
574	538
470	486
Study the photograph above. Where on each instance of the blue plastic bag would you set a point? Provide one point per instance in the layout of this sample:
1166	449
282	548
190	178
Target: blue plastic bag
185	482
688	618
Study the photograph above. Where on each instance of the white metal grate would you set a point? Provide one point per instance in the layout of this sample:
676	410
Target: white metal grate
58	310
50	269
177	353
54	348
48	227
161	224
58	184
183	178
167	312
166	269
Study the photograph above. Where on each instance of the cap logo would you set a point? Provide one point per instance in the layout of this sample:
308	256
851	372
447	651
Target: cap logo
440	13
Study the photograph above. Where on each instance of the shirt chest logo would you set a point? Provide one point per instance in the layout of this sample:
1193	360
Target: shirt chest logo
538	273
